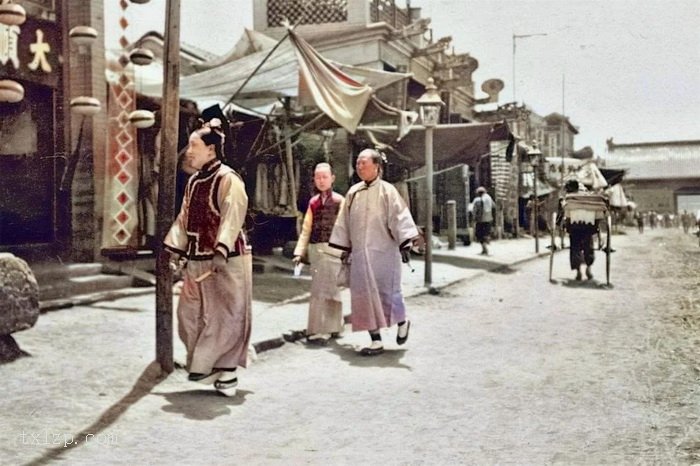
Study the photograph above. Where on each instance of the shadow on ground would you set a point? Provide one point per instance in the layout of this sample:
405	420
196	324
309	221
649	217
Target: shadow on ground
589	284
149	379
276	287
391	358
202	404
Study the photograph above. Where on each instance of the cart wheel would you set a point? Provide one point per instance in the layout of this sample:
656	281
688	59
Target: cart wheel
608	250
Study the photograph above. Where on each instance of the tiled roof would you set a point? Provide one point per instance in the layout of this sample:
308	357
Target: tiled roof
656	160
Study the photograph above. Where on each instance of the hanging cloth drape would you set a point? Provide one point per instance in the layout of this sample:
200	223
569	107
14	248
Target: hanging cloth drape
322	84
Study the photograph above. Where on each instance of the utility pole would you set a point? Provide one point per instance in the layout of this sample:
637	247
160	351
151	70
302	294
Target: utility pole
562	133
515	37
170	118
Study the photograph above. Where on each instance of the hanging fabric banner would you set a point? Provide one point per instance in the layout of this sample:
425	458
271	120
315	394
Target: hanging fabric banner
324	85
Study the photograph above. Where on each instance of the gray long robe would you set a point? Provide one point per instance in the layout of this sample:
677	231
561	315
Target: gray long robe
373	225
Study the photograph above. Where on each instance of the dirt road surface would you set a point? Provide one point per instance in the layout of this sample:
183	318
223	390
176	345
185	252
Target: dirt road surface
506	369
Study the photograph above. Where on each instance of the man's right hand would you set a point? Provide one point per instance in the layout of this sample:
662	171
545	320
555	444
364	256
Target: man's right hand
175	262
296	260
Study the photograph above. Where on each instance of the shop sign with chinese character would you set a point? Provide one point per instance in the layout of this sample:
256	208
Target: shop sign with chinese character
31	52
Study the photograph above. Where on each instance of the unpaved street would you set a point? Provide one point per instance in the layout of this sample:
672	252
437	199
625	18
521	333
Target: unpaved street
510	369
506	369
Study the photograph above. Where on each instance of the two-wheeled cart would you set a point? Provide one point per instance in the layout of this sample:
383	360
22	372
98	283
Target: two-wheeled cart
588	209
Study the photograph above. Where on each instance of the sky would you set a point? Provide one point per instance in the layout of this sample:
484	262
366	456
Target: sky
626	69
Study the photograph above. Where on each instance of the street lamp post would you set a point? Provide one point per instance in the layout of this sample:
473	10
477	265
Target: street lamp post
534	156
430	105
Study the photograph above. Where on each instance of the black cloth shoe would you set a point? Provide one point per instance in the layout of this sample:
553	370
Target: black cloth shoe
319	341
205	379
227	387
373	350
400	340
294	335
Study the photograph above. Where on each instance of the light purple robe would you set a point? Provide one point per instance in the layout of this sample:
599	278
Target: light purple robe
373	224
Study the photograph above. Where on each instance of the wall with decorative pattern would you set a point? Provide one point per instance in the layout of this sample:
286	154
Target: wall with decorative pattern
120	215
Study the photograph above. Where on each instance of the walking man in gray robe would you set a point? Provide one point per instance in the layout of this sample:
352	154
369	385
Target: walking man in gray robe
375	230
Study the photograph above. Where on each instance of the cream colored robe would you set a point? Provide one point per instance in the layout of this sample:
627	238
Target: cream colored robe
373	225
325	305
214	315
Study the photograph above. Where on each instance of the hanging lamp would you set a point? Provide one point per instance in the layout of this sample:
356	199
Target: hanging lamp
12	14
142	118
11	91
83	35
85	105
141	56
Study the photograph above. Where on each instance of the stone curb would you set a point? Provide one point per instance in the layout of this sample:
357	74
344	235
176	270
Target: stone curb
263	345
91	298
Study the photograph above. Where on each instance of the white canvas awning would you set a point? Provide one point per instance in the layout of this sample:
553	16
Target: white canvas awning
617	196
277	77
528	186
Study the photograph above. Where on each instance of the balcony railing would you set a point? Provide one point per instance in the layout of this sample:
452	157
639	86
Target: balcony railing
315	12
388	12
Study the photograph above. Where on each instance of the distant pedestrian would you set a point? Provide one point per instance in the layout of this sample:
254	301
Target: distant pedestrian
484	208
325	307
640	221
652	219
686	221
375	230
214	311
666	219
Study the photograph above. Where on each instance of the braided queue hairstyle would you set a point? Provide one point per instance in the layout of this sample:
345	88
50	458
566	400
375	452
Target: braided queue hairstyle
212	133
378	158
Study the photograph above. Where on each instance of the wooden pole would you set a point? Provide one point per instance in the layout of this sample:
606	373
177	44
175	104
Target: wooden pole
451	224
287	132
166	186
536	220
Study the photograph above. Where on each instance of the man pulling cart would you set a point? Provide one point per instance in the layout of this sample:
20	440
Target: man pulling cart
580	213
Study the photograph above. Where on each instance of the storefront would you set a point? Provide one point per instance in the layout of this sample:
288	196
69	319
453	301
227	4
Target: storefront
32	208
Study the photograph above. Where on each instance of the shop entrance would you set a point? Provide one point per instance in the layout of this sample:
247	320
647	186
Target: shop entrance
27	167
